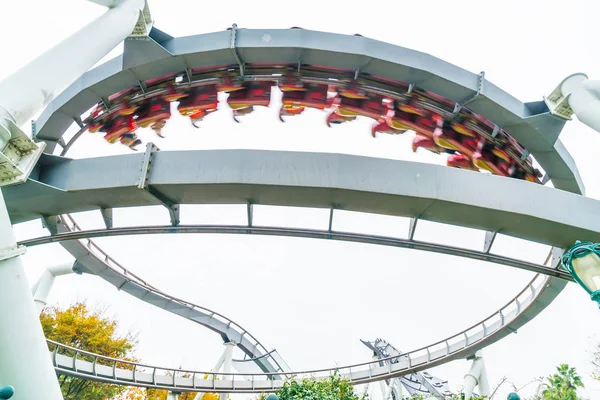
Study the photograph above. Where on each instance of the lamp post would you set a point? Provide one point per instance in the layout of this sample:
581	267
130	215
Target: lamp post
582	261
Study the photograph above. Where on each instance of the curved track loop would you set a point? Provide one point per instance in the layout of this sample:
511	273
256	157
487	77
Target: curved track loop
531	124
92	259
76	233
91	366
528	303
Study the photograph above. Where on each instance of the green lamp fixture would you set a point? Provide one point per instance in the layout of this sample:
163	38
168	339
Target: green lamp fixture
582	261
6	392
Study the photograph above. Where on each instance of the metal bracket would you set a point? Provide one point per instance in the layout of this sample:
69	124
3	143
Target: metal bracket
412	226
188	74
250	213
411	87
143	87
151	149
79	122
144	24
33	128
545	179
525	155
106	102
12	252
331	210
107	216
18	153
496	131
459	106
489	241
233	47
557	253
51	223
356	73
173	208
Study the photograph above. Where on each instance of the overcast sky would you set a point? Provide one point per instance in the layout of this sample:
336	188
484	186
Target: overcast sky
313	300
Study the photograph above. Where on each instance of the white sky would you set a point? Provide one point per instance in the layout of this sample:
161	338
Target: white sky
314	300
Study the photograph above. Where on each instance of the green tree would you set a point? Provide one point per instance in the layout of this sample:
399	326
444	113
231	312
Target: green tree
563	384
332	388
79	327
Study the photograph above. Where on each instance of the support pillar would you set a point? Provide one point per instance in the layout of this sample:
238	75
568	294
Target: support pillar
22	343
227	362
32	87
24	361
578	95
41	290
477	376
173	396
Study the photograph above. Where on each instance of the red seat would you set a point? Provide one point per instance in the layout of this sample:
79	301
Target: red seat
201	101
294	102
242	102
427	143
155	109
118	126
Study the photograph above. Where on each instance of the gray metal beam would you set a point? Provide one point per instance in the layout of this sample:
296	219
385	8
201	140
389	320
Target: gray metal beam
531	124
490	237
431	192
171	206
107	217
303	233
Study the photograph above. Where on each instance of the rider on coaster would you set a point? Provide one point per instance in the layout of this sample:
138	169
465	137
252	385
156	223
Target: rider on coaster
130	140
242	102
352	102
408	116
201	101
296	99
118	126
491	158
154	113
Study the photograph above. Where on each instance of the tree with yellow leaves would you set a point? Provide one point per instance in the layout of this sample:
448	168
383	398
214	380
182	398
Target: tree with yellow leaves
92	331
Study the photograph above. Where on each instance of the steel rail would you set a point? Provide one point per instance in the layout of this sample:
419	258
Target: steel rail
300	233
111	263
451	348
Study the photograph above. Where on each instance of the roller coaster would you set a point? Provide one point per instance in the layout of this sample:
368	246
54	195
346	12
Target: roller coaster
451	112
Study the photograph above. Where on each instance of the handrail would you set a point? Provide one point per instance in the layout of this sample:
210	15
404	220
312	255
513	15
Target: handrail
128	274
373	366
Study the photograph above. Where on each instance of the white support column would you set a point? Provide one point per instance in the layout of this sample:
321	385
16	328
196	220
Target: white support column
383	389
484	383
399	388
477	375
578	95
221	362
32	87
227	363
172	396
41	290
25	363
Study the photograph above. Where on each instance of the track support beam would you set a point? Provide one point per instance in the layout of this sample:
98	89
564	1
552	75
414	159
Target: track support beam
107	216
556	256
233	46
489	241
51	223
250	213
412	226
171	206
